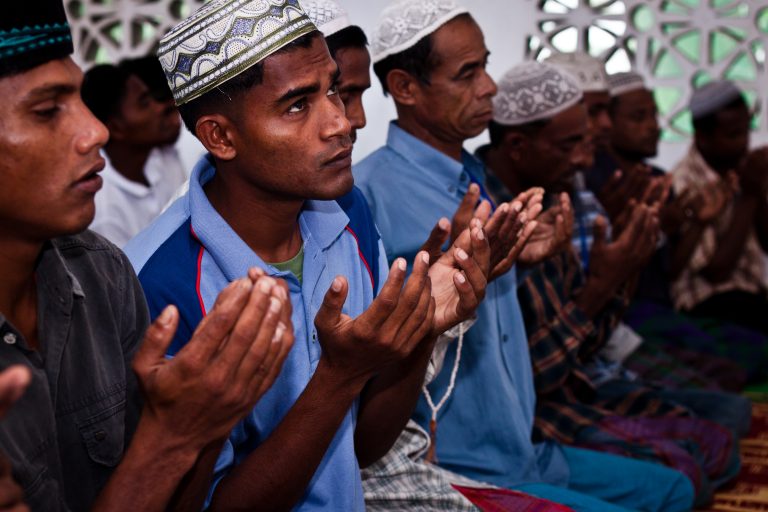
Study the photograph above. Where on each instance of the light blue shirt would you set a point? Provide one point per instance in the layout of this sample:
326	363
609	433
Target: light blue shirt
484	430
190	254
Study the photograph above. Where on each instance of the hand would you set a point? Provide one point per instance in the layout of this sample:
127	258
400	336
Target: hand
13	382
233	357
470	207
709	203
459	279
623	187
394	325
553	233
613	263
510	228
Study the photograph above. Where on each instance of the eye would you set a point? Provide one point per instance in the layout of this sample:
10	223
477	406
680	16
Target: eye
47	112
297	106
333	90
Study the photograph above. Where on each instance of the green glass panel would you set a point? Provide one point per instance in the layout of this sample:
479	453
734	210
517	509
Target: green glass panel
691	3
688	45
762	20
642	18
739	10
116	32
682	122
667	66
102	57
701	78
666	98
673	8
672	136
148	32
742	68
721	46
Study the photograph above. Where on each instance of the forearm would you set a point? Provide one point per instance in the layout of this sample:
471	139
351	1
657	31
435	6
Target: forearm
731	246
387	403
194	487
595	295
276	474
685	247
150	473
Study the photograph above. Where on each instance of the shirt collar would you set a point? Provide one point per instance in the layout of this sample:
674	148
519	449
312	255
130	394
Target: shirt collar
440	165
321	223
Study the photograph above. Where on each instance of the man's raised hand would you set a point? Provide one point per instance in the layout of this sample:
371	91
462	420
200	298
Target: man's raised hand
232	358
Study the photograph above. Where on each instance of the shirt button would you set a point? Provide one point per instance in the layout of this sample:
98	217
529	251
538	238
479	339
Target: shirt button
505	338
464	177
452	189
100	435
9	338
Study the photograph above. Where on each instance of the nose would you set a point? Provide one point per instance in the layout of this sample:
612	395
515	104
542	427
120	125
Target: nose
487	86
91	133
604	122
356	113
334	122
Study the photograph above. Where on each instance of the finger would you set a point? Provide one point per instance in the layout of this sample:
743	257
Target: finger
11	494
466	209
437	238
213	330
522	239
599	231
261	312
409	299
387	299
157	339
408	334
481	251
493	226
276	358
470	283
265	345
13	382
483	211
329	314
255	273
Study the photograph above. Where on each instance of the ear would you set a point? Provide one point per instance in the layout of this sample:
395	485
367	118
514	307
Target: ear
115	128
403	87
514	144
218	134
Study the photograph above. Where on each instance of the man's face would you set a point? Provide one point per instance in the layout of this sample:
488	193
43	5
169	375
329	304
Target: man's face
600	123
292	137
49	153
355	78
555	152
728	142
456	104
635	125
144	121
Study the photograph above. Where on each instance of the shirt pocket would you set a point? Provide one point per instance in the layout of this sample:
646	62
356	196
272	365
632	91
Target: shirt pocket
103	434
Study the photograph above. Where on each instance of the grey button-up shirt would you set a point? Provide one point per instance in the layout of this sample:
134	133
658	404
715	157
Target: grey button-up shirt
68	432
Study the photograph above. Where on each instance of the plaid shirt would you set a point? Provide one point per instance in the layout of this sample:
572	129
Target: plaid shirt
562	341
691	288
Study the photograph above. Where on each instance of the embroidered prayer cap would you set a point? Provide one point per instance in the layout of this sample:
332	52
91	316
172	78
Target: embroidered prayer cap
404	23
534	91
588	70
32	32
622	83
224	38
328	16
713	96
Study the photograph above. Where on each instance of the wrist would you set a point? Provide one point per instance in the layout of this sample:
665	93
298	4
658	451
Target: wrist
339	380
162	444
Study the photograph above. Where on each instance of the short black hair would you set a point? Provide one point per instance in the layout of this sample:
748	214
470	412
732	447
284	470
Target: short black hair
349	37
149	70
222	97
496	131
103	90
708	123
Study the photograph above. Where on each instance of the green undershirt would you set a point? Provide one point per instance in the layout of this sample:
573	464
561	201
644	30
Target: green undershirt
294	265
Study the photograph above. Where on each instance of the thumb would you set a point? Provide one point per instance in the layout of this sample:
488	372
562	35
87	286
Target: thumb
329	314
158	338
13	382
437	238
599	231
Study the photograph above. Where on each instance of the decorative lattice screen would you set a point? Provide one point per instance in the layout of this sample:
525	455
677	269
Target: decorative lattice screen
675	44
109	30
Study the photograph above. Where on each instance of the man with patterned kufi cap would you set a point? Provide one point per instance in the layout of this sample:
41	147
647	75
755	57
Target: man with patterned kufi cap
256	85
73	316
422	51
724	276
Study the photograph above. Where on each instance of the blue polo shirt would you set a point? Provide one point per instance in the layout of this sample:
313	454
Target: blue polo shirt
189	254
484	430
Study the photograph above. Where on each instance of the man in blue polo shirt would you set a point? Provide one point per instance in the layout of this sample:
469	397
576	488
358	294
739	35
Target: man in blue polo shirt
431	57
275	192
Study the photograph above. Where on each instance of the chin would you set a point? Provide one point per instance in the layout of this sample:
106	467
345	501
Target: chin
336	189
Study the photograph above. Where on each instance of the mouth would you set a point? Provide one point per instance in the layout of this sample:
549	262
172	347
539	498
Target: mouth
485	115
91	182
341	160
